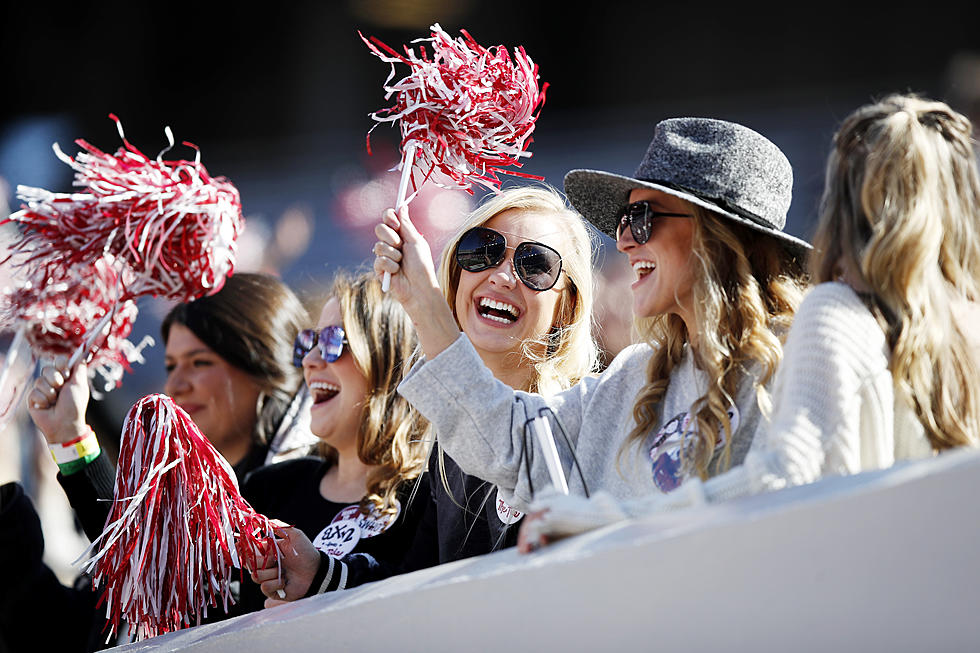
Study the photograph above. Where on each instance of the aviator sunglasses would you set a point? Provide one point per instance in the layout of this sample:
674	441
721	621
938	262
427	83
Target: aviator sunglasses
536	265
330	340
639	216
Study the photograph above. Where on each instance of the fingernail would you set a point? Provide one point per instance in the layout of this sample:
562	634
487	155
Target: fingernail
280	594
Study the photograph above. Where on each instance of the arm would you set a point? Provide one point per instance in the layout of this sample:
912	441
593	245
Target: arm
481	420
57	404
404	253
306	571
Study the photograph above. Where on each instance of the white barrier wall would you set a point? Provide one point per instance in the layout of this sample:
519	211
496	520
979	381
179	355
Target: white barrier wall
882	561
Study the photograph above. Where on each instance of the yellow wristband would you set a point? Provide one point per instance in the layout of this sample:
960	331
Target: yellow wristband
85	447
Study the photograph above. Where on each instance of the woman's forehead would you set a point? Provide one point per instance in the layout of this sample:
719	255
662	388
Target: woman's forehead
658	199
519	225
330	314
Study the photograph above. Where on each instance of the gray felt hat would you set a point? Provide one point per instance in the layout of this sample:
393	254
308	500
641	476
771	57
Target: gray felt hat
719	165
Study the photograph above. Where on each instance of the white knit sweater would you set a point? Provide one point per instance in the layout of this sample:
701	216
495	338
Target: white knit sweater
835	408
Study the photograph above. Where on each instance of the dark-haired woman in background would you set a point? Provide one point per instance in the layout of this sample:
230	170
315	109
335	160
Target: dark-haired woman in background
229	365
228	359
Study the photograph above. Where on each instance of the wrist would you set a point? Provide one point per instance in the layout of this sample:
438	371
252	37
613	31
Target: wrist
435	325
64	433
76	453
317	581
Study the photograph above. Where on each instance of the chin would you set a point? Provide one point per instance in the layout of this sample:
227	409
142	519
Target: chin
494	343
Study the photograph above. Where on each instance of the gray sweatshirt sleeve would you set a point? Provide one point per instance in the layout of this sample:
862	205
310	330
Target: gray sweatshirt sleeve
480	421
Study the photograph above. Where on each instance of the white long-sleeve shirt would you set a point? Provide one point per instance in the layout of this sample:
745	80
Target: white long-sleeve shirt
835	410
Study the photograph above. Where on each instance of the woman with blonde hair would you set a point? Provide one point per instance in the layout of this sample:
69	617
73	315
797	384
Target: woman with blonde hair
875	370
468	516
701	222
517	279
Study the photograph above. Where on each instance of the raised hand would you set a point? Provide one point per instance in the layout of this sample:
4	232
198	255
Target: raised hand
58	399
404	253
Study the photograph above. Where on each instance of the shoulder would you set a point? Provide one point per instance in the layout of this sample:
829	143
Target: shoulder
622	377
629	360
834	298
414	494
834	311
834	330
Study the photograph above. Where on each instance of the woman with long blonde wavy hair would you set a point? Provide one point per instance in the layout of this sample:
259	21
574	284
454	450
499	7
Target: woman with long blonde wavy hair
881	363
717	283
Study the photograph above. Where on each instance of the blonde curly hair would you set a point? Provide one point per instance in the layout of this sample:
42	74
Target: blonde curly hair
746	291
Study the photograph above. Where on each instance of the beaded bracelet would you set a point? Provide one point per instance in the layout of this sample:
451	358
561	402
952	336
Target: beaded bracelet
75	455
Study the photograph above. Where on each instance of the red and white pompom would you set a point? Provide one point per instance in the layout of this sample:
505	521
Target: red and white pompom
62	309
469	111
170	221
179	530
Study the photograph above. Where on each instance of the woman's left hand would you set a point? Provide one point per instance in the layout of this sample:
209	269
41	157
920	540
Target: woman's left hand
299	561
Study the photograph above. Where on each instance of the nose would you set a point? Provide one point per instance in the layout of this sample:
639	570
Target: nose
313	359
504	274
625	242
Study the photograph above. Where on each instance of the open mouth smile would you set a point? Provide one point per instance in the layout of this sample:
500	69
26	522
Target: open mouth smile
643	268
322	391
498	311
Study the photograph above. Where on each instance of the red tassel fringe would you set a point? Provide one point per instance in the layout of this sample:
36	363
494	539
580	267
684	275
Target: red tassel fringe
178	529
469	110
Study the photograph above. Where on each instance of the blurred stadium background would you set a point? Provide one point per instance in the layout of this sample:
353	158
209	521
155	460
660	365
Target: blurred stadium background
278	97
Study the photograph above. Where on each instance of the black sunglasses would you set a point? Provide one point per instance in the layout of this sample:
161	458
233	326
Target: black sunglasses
330	340
537	266
639	216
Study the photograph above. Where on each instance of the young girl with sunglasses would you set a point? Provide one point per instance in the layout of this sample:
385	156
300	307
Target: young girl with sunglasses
517	278
360	503
882	363
717	285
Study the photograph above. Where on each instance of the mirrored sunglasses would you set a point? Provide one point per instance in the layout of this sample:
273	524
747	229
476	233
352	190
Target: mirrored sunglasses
537	265
330	340
639	216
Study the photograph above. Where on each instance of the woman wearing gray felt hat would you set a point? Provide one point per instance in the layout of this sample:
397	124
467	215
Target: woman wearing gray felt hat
720	166
717	285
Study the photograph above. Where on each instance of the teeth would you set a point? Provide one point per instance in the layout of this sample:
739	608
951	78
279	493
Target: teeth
643	267
500	306
324	386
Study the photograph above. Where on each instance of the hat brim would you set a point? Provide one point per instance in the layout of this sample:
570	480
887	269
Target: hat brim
600	196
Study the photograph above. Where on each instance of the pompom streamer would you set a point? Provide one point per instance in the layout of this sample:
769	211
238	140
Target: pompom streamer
79	308
138	227
468	111
170	221
178	530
